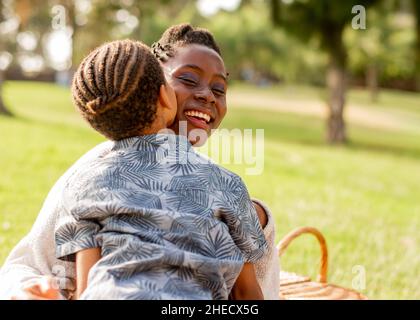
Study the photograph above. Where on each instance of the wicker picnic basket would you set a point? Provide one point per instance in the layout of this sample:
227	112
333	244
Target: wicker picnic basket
297	287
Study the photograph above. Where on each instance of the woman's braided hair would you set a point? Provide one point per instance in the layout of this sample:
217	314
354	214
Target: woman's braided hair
181	35
116	88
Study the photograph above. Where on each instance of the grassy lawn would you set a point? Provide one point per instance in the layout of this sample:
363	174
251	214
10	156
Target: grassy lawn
363	197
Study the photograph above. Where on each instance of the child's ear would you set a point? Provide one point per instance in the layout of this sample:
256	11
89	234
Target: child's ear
167	96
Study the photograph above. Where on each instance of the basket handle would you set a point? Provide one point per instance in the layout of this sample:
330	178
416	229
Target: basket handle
284	243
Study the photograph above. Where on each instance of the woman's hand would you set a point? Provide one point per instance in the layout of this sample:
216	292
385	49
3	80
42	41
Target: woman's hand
44	288
246	286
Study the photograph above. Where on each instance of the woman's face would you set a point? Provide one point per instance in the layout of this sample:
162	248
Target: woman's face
198	76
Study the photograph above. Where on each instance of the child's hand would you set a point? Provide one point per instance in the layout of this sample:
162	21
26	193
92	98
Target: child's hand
44	288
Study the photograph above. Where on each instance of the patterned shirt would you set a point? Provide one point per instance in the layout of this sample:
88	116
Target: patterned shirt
170	223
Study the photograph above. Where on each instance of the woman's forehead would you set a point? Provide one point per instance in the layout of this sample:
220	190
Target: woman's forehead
203	57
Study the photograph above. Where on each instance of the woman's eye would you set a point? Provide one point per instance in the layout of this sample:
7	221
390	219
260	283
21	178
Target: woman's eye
188	80
219	92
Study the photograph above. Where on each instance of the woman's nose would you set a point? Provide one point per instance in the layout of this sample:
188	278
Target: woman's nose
205	95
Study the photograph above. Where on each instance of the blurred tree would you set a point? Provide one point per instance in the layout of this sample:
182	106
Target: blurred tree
35	22
374	49
3	109
369	50
111	20
7	30
240	33
326	20
71	20
22	24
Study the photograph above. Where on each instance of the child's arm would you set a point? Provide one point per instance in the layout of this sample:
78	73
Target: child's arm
85	259
246	286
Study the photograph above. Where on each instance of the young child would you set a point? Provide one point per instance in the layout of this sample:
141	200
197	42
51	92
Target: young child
150	218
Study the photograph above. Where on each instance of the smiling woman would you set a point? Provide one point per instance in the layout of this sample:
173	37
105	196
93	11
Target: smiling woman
194	68
199	78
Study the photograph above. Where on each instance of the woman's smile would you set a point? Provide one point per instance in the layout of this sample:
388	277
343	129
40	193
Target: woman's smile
200	117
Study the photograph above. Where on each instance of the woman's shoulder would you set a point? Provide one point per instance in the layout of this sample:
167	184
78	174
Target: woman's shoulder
87	167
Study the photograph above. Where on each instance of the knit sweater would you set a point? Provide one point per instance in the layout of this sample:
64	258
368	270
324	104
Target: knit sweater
34	256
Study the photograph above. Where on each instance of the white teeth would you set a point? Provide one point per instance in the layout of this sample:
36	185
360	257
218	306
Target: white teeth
198	114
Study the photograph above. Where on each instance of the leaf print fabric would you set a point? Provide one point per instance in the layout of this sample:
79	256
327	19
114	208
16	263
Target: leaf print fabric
170	224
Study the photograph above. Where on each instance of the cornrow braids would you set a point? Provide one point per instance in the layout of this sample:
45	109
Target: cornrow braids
116	88
180	35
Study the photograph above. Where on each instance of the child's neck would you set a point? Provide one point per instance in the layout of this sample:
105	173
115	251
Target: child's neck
157	126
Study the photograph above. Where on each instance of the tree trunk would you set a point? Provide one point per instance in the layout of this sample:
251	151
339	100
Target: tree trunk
3	110
417	53
416	5
372	81
336	127
418	57
336	84
71	11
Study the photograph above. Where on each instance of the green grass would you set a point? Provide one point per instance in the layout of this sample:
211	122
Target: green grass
363	197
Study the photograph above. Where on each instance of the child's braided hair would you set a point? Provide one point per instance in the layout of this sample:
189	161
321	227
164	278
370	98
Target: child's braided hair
180	35
116	88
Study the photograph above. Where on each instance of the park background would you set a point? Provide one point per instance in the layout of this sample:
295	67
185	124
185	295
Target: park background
337	96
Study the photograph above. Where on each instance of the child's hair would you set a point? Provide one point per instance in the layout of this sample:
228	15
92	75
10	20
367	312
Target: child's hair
116	88
180	35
